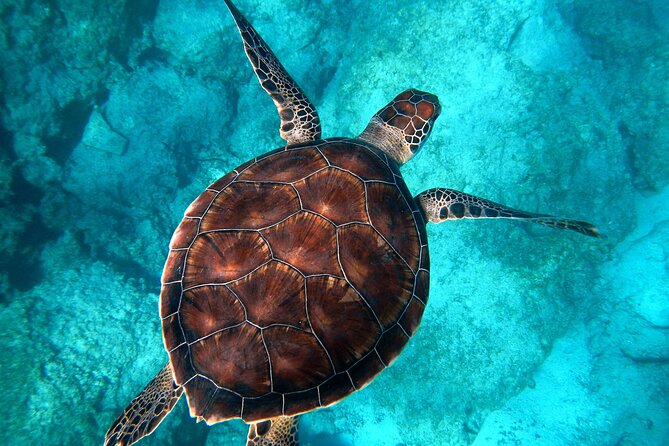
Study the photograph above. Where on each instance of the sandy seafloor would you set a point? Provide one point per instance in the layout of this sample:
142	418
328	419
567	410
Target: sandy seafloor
114	115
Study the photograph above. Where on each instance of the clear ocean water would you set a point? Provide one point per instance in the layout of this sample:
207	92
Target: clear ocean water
115	115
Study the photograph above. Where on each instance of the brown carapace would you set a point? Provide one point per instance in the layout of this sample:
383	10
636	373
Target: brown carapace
293	281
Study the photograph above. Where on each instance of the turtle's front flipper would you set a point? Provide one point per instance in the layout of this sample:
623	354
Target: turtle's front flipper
281	431
146	411
299	120
441	204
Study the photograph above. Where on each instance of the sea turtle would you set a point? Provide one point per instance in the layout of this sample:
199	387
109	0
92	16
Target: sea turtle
293	280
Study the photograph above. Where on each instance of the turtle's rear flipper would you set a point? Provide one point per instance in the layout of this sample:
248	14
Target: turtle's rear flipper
281	431
299	119
146	411
441	204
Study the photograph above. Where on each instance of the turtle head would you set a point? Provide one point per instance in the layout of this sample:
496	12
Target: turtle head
401	127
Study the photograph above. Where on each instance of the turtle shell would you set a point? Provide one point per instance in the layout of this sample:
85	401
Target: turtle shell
293	281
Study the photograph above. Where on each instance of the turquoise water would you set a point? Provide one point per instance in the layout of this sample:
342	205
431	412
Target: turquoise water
114	117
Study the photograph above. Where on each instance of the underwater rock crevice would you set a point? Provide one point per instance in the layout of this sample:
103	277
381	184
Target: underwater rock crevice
322	83
629	140
23	191
6	140
123	265
71	120
129	268
516	32
102	95
137	15
24	265
153	54
186	162
639	157
645	358
103	115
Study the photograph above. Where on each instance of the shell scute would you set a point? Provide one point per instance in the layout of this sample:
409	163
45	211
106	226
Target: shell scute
376	271
234	359
299	402
185	233
341	320
306	242
358	160
391	212
335	388
412	316
223	256
334	194
391	344
199	391
200	205
221	404
250	206
255	409
182	365
280	168
273	294
288	350
170	298
208	309
174	266
366	369
172	334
